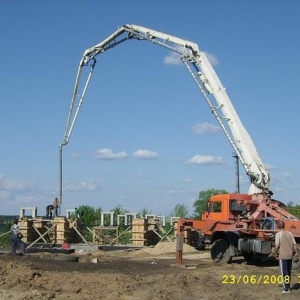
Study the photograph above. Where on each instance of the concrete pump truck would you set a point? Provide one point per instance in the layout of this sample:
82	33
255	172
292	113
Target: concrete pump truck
233	224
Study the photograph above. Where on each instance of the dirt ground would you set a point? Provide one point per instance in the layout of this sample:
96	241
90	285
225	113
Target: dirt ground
148	273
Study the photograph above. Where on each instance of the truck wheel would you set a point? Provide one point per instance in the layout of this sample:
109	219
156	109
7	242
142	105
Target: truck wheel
296	262
296	265
220	252
251	259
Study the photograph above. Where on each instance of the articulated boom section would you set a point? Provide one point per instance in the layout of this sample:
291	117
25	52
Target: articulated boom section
206	79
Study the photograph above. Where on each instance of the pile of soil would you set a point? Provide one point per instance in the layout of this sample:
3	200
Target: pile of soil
168	247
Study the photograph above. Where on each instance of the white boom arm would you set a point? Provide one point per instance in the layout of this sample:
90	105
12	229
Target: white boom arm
208	82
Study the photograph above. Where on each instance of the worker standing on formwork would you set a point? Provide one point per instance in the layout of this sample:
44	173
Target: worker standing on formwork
56	204
49	211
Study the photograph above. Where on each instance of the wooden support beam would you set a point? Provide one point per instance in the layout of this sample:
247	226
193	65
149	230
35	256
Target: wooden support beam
156	233
167	235
97	232
74	227
51	228
39	233
115	239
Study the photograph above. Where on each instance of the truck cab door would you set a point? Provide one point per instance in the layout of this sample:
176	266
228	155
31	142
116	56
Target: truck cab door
215	210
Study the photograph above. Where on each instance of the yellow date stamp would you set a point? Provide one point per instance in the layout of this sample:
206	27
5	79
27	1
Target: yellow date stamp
256	279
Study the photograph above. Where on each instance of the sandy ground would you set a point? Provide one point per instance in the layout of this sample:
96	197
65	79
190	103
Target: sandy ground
149	273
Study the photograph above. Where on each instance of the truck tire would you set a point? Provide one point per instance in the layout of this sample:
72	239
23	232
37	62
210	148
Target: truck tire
296	265
296	262
251	259
220	252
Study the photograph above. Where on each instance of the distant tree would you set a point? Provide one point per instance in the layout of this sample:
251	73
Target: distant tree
294	209
180	210
124	238
144	211
201	203
6	223
89	215
118	210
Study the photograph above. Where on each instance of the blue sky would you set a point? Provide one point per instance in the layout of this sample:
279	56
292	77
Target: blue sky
143	120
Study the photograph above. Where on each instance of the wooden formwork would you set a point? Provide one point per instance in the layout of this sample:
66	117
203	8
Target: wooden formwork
60	230
33	229
139	229
56	231
105	234
63	230
147	232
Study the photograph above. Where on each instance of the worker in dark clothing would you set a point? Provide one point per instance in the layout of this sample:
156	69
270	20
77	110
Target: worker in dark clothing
16	239
49	211
52	209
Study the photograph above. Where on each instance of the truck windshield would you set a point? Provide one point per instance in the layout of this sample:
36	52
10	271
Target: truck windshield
214	206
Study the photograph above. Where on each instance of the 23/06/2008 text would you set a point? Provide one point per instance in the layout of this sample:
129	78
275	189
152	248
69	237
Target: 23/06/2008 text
256	279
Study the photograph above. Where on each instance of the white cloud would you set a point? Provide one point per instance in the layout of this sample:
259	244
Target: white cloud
212	58
7	184
271	167
145	154
4	194
173	59
189	180
278	189
176	191
205	128
287	175
108	154
76	155
205	160
87	186
143	176
15	194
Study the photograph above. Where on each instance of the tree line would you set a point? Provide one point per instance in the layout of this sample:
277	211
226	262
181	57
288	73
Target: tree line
91	216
